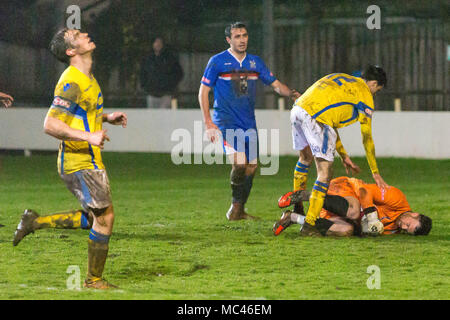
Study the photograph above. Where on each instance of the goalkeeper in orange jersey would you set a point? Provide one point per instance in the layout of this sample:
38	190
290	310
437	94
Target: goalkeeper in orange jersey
334	101
352	206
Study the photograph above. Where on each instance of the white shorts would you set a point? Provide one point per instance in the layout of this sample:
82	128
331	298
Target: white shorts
306	131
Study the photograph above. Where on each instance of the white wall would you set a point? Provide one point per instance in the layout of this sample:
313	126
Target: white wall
396	134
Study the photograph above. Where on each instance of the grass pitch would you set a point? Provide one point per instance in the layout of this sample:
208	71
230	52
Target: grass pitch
171	238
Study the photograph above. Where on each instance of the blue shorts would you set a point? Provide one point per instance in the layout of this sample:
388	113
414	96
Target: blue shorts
239	140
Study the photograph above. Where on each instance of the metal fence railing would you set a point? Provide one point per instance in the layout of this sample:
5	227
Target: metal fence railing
413	53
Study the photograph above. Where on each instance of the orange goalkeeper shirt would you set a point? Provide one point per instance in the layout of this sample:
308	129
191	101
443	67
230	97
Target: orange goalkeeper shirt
390	203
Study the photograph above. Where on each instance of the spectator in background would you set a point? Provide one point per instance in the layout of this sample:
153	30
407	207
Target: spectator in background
6	99
160	75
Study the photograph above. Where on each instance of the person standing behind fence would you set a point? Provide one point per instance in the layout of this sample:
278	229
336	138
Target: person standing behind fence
6	100
160	75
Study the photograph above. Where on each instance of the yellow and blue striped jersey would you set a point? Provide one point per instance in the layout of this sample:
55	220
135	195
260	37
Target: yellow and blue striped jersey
339	100
78	102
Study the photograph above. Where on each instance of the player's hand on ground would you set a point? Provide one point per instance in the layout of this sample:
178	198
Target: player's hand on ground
98	138
118	118
6	100
350	167
212	131
379	181
295	94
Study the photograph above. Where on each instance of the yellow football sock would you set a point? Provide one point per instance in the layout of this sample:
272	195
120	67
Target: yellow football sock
63	220
98	246
316	202
300	176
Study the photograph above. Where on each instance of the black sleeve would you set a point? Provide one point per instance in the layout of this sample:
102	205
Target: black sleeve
144	73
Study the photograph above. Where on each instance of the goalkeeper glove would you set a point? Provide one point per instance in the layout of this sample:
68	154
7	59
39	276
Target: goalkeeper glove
371	224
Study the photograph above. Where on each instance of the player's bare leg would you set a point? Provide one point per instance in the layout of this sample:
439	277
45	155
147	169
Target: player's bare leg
98	247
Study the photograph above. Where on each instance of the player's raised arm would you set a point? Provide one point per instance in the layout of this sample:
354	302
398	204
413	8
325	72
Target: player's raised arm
283	90
203	99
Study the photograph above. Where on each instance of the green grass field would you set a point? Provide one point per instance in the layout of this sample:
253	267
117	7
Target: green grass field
171	238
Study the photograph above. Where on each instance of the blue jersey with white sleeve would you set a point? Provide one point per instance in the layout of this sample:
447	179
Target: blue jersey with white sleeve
234	84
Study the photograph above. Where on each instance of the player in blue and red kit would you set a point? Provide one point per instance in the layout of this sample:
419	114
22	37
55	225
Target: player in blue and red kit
233	75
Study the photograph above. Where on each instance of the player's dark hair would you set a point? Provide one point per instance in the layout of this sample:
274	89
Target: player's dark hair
234	25
374	72
425	226
59	45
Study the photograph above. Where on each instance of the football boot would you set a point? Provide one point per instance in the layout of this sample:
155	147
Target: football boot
291	198
236	213
283	223
25	226
309	230
100	284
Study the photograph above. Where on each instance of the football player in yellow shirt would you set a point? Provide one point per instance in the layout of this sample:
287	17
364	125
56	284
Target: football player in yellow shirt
76	117
334	101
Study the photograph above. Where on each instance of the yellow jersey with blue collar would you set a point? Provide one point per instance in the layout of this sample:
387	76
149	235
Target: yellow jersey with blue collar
78	102
339	100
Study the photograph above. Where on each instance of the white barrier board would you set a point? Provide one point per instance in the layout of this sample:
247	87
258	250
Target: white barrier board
396	134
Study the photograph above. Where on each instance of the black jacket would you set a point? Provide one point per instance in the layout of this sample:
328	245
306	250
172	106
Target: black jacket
161	74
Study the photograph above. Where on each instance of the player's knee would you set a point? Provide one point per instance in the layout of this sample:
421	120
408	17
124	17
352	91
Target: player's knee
104	216
97	212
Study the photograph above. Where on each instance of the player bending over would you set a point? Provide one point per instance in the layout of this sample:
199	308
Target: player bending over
352	206
337	100
76	118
